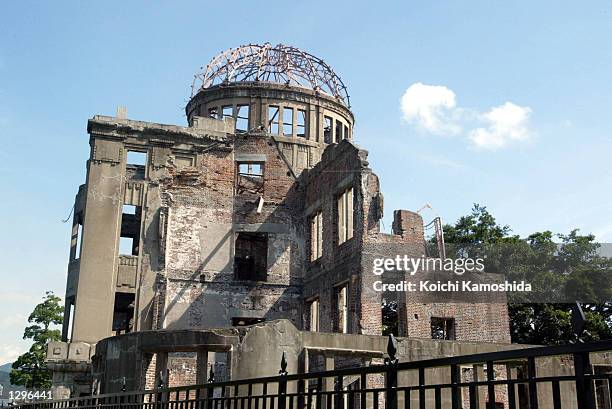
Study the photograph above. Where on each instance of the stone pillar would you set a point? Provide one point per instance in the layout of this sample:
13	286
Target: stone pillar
201	366
161	368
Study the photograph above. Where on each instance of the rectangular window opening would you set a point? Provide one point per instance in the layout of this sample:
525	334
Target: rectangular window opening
249	177
273	118
316	236
251	256
123	313
227	111
136	158
338	133
346	132
129	241
213	112
341	294
327	129
314	315
345	216
77	238
301	123
242	118
442	328
136	162
288	121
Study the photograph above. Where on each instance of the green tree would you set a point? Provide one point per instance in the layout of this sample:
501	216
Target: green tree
30	369
569	269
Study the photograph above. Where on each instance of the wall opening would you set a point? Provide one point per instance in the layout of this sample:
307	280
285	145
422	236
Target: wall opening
345	216
341	302
273	117
242	118
250	177
389	317
327	129
301	123
442	328
244	321
338	133
136	163
123	313
316	236
129	241
346	132
288	121
314	315
77	236
251	256
213	112
227	111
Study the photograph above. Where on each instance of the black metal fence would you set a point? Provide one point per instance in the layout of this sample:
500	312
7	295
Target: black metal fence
573	376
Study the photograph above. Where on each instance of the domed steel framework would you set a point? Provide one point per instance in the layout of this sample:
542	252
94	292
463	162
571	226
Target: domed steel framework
281	64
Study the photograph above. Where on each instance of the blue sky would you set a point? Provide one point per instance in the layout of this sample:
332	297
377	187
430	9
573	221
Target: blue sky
509	107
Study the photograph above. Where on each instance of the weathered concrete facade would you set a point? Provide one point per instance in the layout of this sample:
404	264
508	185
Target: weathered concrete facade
262	208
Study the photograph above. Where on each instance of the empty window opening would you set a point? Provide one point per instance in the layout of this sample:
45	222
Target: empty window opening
250	177
136	158
338	133
77	236
126	247
288	121
314	315
123	313
129	209
316	236
227	111
341	309
129	240
251	259
301	123
71	322
346	132
442	328
243	321
273	118
135	165
327	129
213	112
345	216
242	118
389	317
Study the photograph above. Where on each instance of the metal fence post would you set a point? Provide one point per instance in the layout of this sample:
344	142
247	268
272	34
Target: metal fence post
584	386
282	384
391	374
209	389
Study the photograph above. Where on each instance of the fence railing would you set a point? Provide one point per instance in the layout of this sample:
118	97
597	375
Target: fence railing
543	377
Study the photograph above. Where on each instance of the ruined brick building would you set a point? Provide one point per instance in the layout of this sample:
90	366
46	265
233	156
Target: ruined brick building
261	208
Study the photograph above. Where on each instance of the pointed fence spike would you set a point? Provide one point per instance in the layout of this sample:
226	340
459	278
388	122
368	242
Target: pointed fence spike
283	370
392	349
211	374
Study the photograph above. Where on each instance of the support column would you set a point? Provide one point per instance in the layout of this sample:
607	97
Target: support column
161	368
201	366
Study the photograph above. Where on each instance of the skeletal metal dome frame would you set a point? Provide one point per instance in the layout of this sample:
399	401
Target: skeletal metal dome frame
281	64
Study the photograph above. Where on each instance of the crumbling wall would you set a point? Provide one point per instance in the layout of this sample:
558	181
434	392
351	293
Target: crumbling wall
206	212
343	166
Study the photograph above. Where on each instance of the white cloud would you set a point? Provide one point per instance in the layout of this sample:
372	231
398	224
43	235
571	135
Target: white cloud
434	109
8	353
506	123
430	107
